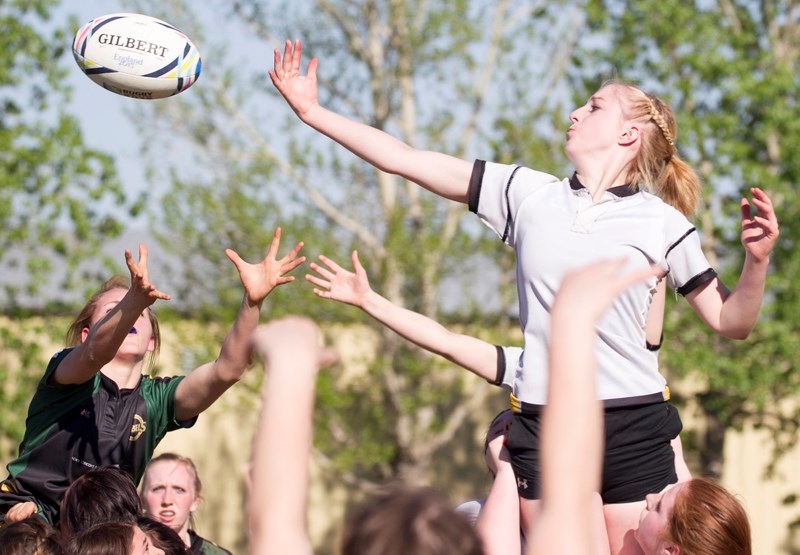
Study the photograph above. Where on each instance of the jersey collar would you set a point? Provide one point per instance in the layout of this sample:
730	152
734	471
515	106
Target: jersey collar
620	191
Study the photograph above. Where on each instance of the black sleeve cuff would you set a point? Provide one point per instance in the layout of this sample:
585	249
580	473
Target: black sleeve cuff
475	181
698	280
501	366
657	346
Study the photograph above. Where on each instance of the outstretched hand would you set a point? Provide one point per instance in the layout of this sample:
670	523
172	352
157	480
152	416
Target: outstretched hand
585	294
338	284
260	279
759	231
299	91
141	288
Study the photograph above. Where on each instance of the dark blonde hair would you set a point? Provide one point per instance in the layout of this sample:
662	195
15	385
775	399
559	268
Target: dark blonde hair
174	457
708	520
84	318
403	520
657	167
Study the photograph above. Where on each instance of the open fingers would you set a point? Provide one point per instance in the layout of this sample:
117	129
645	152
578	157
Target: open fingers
142	255
138	270
334	267
275	244
297	53
277	67
286	63
289	265
292	254
234	257
323	272
312	69
319	282
764	205
356	263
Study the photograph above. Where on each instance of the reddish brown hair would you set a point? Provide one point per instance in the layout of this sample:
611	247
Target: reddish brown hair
708	520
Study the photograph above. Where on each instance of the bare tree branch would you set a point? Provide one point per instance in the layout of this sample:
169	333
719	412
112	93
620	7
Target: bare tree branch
316	198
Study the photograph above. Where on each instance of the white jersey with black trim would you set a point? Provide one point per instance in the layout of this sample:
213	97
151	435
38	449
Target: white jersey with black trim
508	360
555	227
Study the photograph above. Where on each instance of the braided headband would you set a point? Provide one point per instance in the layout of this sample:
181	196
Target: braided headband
656	117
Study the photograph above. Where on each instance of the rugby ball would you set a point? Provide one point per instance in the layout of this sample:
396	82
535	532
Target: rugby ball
136	55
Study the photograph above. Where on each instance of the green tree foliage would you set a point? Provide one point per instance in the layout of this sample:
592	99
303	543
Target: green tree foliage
730	70
433	74
56	194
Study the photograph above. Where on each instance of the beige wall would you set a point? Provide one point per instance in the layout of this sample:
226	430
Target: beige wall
220	444
746	456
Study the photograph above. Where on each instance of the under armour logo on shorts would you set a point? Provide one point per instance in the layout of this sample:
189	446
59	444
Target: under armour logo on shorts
522	483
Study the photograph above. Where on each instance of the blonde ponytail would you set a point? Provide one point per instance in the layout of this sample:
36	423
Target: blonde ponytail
657	168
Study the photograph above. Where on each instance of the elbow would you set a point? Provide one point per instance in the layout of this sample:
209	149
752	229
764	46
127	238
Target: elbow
230	371
738	334
741	336
230	378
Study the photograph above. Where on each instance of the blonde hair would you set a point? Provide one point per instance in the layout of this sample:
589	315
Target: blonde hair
189	464
657	167
84	319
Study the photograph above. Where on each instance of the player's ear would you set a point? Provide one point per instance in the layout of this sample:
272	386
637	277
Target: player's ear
629	134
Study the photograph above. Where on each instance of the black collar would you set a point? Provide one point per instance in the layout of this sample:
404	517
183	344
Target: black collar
626	190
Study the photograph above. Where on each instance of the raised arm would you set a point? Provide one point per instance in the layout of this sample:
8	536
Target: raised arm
338	284
572	424
205	384
444	175
290	349
498	524
734	314
101	342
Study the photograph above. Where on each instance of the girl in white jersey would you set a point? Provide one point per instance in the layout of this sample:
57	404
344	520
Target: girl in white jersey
696	516
497	525
622	144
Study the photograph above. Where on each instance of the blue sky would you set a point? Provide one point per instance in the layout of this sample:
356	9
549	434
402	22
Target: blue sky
103	114
107	126
106	121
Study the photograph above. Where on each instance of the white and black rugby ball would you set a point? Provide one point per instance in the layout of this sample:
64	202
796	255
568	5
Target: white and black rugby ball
136	55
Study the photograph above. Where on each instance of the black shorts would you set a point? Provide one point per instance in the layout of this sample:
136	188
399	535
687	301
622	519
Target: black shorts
638	457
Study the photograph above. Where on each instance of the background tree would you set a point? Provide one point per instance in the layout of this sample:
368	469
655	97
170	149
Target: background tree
431	73
729	68
55	193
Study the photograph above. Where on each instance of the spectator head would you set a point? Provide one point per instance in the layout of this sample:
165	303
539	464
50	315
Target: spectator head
104	494
403	521
30	536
